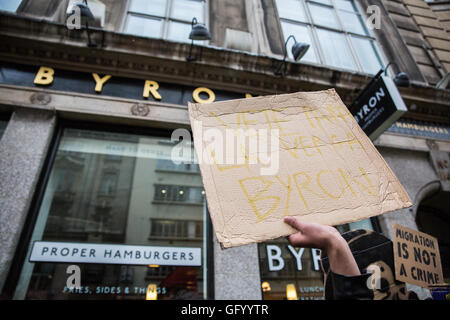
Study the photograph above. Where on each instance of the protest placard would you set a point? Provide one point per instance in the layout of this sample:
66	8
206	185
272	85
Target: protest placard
300	154
416	256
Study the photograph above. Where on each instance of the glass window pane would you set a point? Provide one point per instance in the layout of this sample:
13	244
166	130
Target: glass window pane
322	1
324	16
368	58
352	22
301	34
179	31
109	204
363	224
291	9
146	27
154	7
9	5
335	49
345	5
188	9
303	277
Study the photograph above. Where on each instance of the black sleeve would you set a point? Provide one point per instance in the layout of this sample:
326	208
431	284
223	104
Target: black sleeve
350	287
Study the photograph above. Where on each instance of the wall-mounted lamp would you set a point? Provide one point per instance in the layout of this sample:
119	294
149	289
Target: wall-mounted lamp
298	51
198	32
85	16
401	79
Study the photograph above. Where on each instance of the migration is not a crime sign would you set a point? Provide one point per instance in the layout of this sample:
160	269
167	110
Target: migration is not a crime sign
416	256
299	154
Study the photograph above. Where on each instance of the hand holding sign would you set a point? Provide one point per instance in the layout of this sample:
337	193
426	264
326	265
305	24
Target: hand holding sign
328	239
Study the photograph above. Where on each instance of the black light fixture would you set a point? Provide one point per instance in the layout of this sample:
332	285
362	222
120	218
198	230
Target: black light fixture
85	16
298	51
198	32
401	79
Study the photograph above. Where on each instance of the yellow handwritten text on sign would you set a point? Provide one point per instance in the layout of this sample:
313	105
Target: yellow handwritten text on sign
308	185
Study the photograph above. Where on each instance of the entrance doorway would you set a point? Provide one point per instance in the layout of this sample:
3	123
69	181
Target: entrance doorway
433	218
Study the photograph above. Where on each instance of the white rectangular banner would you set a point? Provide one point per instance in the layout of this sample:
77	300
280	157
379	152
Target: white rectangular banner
67	252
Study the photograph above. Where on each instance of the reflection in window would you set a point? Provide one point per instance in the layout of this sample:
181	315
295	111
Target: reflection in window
284	267
335	30
10	5
169	165
109	183
176	228
281	270
323	15
99	191
176	193
166	19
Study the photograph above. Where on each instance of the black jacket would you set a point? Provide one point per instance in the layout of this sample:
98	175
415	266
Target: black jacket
348	287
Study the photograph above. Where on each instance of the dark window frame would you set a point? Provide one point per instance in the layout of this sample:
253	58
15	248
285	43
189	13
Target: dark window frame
6	117
36	201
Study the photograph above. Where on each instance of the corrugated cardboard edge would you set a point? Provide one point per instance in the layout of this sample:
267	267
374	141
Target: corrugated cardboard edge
403	200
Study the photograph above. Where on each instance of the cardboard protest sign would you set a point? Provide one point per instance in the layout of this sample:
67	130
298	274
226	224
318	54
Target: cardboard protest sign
417	258
300	154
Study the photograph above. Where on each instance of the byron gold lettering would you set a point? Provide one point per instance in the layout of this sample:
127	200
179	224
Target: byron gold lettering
151	87
99	82
198	99
44	76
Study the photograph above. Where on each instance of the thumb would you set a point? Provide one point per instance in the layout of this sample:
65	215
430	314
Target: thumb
293	222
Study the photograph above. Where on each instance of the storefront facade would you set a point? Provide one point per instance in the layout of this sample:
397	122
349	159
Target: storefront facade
86	148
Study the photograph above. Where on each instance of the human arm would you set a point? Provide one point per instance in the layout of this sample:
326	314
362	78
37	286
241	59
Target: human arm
327	239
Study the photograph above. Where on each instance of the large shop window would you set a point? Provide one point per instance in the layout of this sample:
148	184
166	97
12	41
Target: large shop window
335	30
120	197
289	273
166	19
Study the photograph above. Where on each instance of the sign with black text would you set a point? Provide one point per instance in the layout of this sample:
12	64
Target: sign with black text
378	106
67	252
416	256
